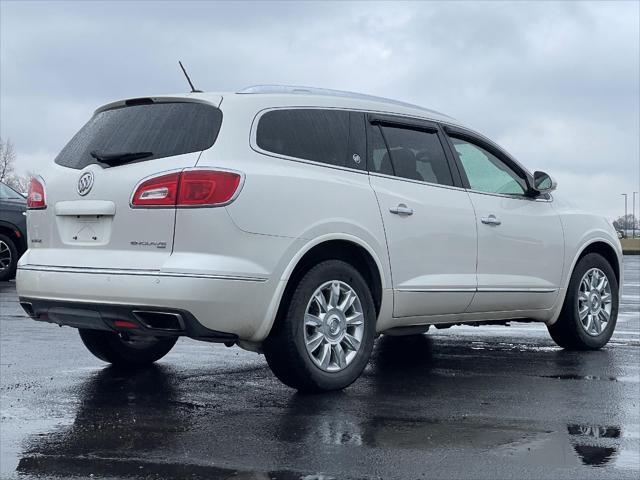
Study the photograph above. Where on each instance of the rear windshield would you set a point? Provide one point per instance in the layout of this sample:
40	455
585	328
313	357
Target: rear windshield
164	129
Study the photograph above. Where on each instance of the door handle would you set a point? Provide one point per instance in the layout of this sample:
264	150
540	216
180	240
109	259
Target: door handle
490	220
401	209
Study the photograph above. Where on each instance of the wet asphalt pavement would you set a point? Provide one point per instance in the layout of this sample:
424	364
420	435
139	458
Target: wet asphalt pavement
487	402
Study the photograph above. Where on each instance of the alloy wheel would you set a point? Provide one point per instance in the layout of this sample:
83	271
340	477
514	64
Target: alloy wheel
5	257
594	302
333	326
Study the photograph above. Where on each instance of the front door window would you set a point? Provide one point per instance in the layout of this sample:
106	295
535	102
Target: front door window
486	172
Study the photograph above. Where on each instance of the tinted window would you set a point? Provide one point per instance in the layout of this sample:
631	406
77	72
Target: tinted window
310	134
486	172
165	129
413	154
379	158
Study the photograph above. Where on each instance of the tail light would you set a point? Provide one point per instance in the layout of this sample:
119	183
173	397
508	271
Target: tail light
36	197
159	191
206	187
189	188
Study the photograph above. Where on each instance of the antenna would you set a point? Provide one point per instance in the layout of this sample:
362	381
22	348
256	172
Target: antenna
193	89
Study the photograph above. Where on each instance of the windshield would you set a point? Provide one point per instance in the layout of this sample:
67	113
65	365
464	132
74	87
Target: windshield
8	193
163	129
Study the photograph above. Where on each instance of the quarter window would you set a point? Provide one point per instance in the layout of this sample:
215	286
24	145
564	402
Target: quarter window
310	134
486	172
412	154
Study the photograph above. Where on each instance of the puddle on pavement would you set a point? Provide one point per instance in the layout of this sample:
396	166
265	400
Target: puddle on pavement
565	446
507	347
585	439
90	467
112	402
570	376
585	444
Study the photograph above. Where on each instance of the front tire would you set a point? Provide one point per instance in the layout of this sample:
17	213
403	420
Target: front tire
126	352
590	309
323	337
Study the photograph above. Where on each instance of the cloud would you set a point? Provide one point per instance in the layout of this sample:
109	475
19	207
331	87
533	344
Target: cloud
554	83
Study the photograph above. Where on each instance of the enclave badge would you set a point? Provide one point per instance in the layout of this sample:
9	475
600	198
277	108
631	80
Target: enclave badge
85	182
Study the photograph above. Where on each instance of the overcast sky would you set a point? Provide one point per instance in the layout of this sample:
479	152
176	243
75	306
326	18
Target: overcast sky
556	84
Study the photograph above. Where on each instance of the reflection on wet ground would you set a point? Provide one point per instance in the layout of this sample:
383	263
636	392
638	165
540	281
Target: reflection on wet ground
432	405
67	467
589	453
571	376
126	421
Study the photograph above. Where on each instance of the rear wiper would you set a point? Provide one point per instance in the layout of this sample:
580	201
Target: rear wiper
115	159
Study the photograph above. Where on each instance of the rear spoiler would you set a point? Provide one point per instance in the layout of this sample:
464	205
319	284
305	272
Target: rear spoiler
209	99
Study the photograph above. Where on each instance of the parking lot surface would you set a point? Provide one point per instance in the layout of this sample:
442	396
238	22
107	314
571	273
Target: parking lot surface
486	402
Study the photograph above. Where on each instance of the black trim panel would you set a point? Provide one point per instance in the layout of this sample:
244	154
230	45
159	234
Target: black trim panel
97	316
426	125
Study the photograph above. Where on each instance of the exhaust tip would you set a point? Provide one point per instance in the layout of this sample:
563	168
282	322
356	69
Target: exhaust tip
165	321
28	308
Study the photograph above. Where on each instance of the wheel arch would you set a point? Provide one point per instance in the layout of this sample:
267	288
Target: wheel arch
600	246
344	247
604	249
14	234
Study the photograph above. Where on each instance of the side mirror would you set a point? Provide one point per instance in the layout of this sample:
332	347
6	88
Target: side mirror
543	183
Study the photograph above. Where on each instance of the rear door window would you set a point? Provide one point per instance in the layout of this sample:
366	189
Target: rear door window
409	153
164	129
314	134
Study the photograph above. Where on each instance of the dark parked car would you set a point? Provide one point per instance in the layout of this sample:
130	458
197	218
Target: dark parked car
13	230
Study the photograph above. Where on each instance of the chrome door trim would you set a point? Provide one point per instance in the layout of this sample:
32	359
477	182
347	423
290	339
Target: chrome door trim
453	187
435	290
302	160
517	290
419	182
254	146
136	272
481	290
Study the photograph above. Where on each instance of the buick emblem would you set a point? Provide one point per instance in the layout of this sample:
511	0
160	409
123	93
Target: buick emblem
85	182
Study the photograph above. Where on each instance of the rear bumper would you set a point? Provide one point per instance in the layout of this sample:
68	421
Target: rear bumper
210	306
141	320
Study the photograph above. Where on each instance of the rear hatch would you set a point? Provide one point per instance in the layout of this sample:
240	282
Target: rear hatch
88	220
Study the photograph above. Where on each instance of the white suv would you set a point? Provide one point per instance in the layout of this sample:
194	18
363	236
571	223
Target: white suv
302	223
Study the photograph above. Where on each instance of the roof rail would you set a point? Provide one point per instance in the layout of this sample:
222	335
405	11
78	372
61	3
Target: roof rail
295	89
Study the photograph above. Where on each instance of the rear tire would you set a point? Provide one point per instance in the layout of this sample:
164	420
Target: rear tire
134	352
323	337
581	324
8	258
